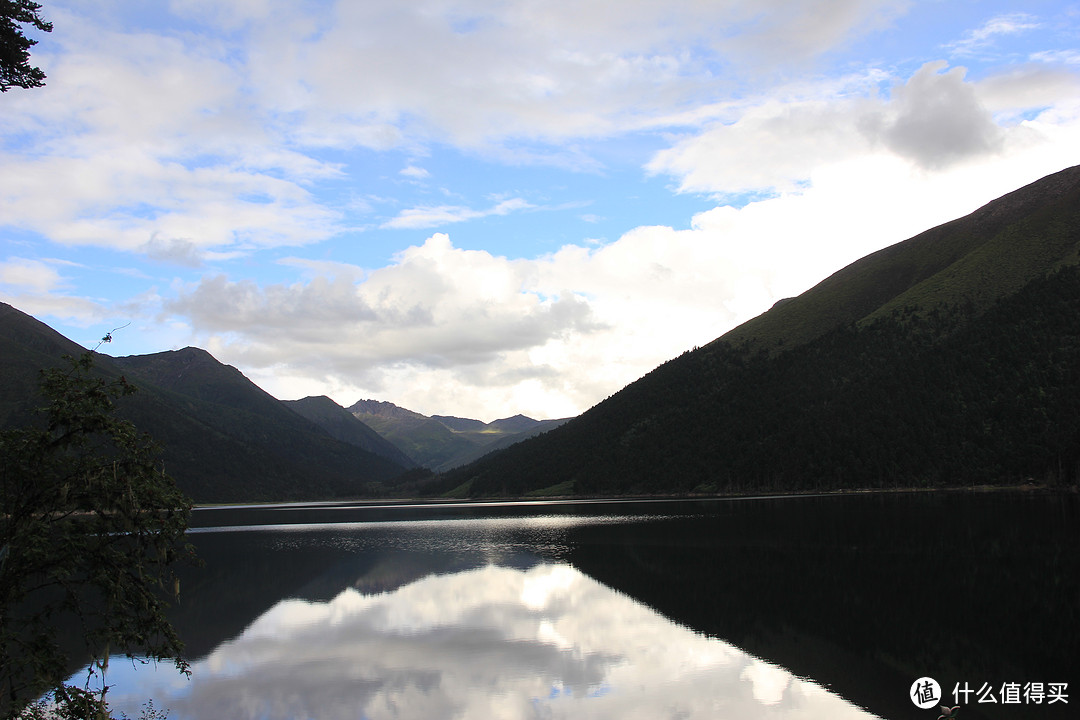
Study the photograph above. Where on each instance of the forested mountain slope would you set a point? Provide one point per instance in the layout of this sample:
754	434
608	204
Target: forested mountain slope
951	358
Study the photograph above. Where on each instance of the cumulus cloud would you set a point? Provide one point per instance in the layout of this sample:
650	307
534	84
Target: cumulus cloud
438	308
286	312
774	145
936	119
933	120
177	251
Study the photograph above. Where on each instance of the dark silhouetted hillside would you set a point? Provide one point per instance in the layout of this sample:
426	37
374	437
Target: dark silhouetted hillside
951	358
223	438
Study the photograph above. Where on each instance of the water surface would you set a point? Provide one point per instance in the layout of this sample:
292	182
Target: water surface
810	607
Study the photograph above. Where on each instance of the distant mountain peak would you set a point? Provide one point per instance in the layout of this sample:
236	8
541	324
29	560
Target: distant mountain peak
439	442
381	408
516	423
343	425
316	399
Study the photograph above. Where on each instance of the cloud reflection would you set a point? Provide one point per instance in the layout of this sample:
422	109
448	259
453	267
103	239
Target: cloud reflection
492	642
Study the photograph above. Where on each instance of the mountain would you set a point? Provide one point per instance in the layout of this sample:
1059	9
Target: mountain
441	442
342	425
515	424
26	347
947	359
223	438
973	261
378	408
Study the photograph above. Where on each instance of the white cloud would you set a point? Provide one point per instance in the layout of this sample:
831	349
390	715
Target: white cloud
417	173
143	141
436	216
135	202
176	251
934	120
328	268
78	311
1016	92
438	311
232	15
477	74
1066	57
150	140
35	287
772	145
26	274
173	142
983	37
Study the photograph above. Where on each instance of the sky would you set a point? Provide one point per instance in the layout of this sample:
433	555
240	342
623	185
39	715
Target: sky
489	207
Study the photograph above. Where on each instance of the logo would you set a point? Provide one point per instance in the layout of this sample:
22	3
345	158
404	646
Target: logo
925	693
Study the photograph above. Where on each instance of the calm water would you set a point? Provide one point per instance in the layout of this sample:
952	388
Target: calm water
814	607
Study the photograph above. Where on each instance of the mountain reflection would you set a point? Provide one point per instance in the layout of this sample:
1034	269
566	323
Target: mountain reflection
488	642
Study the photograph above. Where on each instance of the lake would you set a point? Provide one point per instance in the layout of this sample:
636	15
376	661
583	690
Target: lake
806	607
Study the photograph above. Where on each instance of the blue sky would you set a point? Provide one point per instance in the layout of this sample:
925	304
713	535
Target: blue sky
485	208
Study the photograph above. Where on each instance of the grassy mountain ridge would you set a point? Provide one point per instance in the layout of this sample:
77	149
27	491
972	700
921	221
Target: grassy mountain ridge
946	359
223	438
975	259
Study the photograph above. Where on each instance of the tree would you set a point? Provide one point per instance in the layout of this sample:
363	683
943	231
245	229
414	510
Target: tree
90	527
15	68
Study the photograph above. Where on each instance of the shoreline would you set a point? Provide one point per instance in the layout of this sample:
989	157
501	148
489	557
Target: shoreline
1028	487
